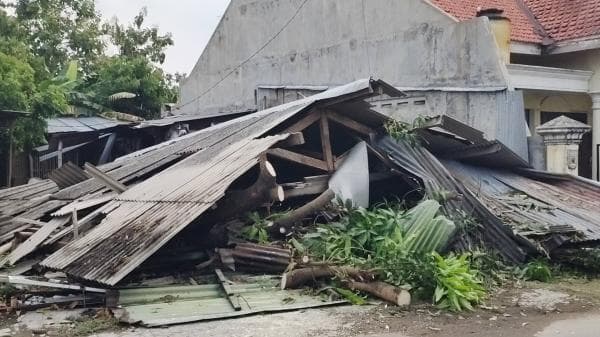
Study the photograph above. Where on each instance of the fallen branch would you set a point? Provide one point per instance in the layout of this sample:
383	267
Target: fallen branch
283	224
299	277
385	291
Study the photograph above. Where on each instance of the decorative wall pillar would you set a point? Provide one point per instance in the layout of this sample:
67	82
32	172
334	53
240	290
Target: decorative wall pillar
562	137
595	134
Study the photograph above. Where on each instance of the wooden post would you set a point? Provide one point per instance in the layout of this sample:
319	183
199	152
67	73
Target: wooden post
326	143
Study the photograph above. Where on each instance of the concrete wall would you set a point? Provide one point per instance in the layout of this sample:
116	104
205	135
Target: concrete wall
407	43
500	115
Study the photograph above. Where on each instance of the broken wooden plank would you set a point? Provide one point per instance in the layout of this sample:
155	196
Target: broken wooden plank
299	158
105	179
326	143
34	241
29	221
234	298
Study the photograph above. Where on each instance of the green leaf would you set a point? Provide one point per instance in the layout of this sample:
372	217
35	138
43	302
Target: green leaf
351	297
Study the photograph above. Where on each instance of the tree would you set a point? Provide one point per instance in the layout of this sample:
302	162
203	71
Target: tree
135	41
135	75
61	30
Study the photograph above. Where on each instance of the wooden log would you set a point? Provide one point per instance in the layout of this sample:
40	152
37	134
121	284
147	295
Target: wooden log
384	291
264	190
299	277
282	225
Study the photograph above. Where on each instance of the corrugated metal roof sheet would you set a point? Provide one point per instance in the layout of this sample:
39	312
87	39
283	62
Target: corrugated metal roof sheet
183	304
80	124
420	163
68	175
185	118
151	213
537	209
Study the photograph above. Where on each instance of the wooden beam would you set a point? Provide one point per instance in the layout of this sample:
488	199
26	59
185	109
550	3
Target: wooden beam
233	298
105	179
350	123
326	143
305	122
299	158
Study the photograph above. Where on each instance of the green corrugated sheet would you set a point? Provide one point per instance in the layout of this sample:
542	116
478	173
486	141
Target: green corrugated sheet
183	304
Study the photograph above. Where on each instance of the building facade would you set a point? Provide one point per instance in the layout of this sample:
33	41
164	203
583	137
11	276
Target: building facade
446	58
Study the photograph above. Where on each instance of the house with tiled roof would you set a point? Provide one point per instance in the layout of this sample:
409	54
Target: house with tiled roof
554	60
502	66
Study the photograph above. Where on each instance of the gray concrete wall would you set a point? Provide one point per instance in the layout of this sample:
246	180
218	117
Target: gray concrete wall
407	43
500	114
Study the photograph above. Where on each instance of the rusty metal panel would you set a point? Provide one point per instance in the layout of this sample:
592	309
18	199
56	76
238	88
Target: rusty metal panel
418	162
68	175
149	214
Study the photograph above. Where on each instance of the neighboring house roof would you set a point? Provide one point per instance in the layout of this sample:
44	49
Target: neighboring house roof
534	20
523	27
567	19
80	124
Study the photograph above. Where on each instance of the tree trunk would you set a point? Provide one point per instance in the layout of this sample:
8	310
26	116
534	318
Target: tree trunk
299	277
384	291
283	225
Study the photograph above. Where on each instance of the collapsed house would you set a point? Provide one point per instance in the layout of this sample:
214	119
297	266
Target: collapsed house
157	210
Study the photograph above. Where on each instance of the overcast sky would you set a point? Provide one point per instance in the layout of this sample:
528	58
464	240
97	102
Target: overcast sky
191	22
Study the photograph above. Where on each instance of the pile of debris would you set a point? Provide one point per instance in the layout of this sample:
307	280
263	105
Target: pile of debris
172	214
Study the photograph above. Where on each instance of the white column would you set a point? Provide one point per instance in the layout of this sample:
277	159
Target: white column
595	133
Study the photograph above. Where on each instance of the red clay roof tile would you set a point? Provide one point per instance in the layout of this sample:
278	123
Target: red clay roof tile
532	20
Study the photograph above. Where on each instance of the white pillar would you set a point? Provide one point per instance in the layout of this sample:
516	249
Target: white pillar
595	133
562	137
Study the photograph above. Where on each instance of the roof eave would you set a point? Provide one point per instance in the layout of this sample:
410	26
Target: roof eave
574	45
526	48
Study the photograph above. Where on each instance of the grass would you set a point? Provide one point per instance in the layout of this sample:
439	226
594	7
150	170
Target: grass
85	326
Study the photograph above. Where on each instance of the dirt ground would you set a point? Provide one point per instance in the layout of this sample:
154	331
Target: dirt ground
569	307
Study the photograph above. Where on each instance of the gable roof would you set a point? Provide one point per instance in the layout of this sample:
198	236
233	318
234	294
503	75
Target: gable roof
534	20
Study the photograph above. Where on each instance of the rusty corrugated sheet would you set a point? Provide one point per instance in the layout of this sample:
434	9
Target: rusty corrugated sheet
150	214
419	162
68	175
548	212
